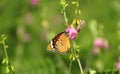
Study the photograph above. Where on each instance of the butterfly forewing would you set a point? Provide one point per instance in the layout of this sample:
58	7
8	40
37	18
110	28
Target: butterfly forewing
63	44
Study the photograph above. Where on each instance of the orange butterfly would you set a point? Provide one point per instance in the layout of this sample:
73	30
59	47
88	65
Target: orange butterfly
60	43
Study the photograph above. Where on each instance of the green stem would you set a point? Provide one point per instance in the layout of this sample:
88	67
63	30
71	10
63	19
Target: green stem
80	66
70	66
5	51
6	55
77	8
65	17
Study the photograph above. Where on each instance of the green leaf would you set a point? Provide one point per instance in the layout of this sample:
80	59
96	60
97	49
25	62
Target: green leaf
76	11
3	35
3	60
66	5
13	69
62	2
74	2
7	69
79	12
6	46
77	46
92	71
7	61
61	11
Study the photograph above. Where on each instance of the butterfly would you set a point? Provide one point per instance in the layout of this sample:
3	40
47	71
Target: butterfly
60	43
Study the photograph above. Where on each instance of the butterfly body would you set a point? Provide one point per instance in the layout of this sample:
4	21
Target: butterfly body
60	43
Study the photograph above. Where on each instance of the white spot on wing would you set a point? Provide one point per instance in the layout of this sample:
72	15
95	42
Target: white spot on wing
51	44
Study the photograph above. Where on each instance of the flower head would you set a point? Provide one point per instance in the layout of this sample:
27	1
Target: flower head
28	18
118	64
96	50
105	44
26	37
100	43
23	35
71	33
82	24
34	2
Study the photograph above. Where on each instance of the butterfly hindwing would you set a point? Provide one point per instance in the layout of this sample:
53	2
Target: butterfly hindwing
51	46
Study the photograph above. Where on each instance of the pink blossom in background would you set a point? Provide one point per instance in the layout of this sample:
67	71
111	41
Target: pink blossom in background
34	2
101	43
98	42
23	35
71	33
96	50
26	37
118	64
28	18
105	44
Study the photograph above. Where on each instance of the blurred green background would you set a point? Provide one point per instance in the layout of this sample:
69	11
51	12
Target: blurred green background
30	26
